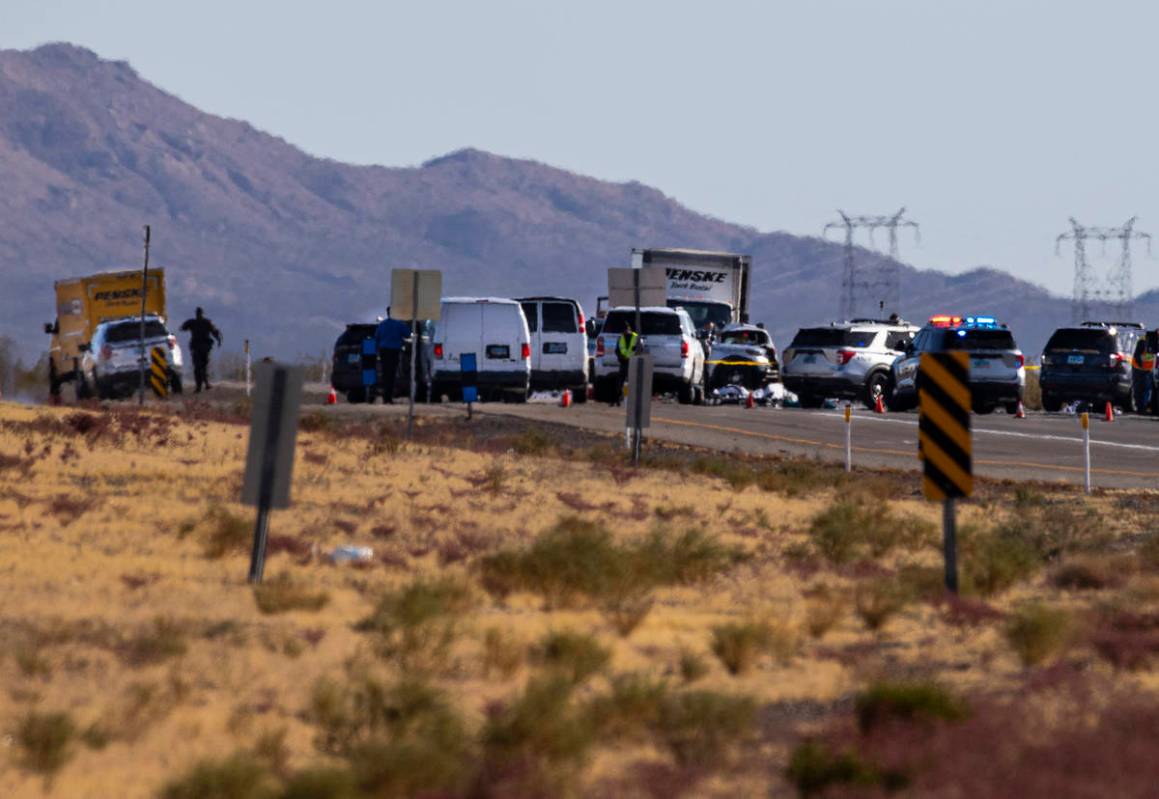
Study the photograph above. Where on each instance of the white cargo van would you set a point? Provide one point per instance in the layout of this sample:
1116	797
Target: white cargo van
495	331
559	344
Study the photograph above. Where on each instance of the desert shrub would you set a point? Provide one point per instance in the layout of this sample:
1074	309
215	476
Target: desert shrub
45	742
878	600
533	745
733	471
271	750
692	666
1127	640
795	478
30	659
1091	573
814	768
690	557
824	608
321	783
924	583
281	594
575	656
502	653
738	644
632	707
238	776
160	640
699	727
416	624
852	528
1149	552
626	609
494	479
908	702
533	441
225	532
1038	633
1052	529
990	562
430	762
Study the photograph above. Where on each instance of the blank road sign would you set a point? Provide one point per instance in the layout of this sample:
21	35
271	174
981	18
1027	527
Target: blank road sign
402	294
653	287
273	433
640	391
944	442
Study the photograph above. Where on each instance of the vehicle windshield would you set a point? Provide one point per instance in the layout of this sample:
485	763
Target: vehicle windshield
980	339
654	324
1081	341
831	337
757	338
131	331
704	312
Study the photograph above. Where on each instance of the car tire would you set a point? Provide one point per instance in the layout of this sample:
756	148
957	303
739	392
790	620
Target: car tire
984	408
810	400
356	396
579	394
686	393
877	384
1051	403
175	386
1011	408
83	390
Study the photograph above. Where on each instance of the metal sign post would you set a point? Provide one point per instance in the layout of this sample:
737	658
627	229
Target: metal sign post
1085	421
639	401
469	374
248	369
944	442
144	297
270	458
415	294
848	437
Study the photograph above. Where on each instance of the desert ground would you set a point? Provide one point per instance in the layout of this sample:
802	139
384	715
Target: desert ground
539	618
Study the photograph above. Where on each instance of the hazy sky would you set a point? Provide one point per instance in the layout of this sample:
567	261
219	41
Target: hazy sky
991	121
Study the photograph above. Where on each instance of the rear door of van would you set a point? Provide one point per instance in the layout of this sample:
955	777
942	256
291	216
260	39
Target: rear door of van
561	346
462	328
505	338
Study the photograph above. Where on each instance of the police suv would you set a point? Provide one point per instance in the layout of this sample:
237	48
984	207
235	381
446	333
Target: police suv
997	373
847	360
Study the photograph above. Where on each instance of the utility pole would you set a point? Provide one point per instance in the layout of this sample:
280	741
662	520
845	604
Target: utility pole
1114	291
885	289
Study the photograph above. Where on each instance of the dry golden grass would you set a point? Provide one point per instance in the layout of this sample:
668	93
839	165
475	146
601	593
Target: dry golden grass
124	605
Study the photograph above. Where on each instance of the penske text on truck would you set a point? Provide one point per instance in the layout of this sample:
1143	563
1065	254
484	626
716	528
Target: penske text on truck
711	286
82	303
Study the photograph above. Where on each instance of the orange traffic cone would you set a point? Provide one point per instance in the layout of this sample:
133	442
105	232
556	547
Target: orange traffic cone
749	402
332	397
1021	412
878	404
1110	414
565	398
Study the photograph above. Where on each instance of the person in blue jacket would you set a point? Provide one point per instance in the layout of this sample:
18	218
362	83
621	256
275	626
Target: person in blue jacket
389	338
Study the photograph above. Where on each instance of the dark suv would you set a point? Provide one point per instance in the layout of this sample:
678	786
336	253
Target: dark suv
347	365
1090	363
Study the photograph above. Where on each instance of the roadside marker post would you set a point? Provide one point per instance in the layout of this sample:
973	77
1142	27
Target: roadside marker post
469	374
848	436
270	457
945	445
144	300
159	372
639	401
1085	421
415	295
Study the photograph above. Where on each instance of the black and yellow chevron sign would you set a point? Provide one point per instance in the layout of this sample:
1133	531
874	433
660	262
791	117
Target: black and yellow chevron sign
944	442
159	372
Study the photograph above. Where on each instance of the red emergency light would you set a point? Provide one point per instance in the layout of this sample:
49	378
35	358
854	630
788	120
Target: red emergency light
942	320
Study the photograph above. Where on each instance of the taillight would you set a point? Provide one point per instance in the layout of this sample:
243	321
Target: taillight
579	315
683	348
525	351
1021	360
1116	359
439	351
845	356
106	353
599	346
172	342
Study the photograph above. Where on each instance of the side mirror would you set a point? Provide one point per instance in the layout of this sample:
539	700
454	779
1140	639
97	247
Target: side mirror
49	328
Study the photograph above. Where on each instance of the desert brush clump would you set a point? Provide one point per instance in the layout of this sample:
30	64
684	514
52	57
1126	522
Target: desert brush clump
1092	572
416	624
700	728
503	653
575	656
631	708
738	644
908	702
281	594
824	607
853	528
993	560
814	768
1038	633
238	776
224	532
159	640
879	599
45	742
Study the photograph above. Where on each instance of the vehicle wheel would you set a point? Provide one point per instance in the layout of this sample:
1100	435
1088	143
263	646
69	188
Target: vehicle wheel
876	386
810	400
356	396
175	386
1011	408
1051	404
579	394
83	390
983	409
686	393
53	381
1127	405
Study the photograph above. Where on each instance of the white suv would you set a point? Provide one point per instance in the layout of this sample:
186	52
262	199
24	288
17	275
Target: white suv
847	360
111	361
669	336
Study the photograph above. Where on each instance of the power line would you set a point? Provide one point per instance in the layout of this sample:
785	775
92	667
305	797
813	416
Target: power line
883	286
1113	291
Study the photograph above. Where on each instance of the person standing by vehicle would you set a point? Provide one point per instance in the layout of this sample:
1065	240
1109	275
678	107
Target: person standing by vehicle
1143	373
202	333
389	338
625	349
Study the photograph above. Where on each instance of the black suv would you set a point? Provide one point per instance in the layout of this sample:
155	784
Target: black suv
346	367
1090	363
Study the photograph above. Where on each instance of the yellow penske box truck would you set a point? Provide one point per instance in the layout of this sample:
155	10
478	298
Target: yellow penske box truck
82	303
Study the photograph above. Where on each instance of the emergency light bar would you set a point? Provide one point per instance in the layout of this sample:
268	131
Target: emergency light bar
942	320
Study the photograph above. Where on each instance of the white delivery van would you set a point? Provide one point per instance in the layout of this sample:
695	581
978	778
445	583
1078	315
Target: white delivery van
559	344
495	332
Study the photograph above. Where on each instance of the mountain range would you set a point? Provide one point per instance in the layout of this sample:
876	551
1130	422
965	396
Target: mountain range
283	248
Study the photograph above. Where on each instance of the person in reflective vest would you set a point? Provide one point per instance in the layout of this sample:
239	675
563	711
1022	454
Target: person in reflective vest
625	349
1143	373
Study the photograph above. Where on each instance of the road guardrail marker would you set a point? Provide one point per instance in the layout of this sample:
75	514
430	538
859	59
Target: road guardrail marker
945	445
1085	421
159	372
848	436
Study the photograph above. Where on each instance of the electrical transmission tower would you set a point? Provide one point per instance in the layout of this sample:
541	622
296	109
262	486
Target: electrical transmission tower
879	291
1112	291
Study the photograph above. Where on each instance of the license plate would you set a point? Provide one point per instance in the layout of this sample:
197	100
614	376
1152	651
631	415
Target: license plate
979	364
810	359
555	348
1075	360
498	352
353	357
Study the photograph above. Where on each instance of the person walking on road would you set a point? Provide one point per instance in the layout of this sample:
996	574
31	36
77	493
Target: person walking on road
202	333
389	338
625	349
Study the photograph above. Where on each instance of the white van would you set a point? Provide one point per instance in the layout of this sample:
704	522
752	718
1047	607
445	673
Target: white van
495	331
559	344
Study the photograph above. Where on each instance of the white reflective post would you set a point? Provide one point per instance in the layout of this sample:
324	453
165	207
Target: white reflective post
848	437
1085	421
